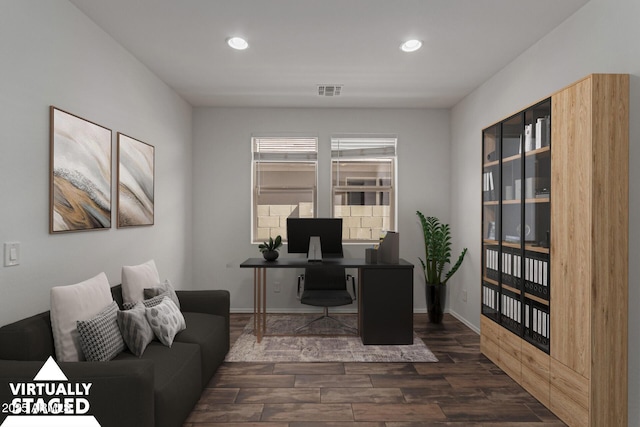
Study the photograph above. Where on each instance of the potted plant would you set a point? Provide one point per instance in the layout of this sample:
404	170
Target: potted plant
437	247
270	248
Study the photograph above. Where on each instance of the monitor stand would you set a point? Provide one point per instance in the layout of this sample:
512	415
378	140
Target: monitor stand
314	254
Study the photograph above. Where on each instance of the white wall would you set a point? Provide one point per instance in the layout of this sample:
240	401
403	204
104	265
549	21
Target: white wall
52	54
222	186
602	37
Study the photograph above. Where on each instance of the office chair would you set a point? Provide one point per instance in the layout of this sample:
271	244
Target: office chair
326	286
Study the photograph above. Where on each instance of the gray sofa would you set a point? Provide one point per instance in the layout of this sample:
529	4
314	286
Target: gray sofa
159	389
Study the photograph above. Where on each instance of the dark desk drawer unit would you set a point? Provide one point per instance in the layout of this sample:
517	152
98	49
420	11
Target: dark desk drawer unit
386	305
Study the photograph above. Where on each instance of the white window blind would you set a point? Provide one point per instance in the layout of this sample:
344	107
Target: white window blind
285	149
363	148
363	185
284	176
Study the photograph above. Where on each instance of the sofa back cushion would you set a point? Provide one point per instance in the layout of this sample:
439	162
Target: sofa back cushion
27	339
32	338
135	278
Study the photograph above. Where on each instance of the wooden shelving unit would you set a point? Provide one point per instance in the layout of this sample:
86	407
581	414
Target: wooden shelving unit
575	363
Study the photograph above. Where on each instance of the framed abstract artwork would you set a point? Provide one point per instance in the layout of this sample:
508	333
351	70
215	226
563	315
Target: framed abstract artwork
136	164
80	179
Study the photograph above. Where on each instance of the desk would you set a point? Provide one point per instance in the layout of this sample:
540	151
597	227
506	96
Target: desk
385	296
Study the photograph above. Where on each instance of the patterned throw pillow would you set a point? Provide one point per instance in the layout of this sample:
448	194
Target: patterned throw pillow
100	337
135	329
162	288
148	303
165	320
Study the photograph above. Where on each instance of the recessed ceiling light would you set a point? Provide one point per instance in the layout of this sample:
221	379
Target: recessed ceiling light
411	45
237	43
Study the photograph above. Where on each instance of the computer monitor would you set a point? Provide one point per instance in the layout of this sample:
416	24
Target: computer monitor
300	232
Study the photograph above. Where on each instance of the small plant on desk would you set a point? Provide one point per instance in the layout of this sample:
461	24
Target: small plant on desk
270	248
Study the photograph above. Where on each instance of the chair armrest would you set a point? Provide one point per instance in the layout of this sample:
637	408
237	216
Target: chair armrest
353	285
121	391
300	285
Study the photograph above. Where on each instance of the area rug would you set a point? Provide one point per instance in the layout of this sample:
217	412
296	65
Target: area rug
313	344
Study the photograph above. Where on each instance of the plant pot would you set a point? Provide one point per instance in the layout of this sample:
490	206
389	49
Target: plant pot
436	297
271	255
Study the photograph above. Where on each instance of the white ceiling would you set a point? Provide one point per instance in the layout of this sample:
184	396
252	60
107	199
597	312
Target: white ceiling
297	44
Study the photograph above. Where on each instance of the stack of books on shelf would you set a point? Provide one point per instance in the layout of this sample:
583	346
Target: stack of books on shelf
487	186
538	136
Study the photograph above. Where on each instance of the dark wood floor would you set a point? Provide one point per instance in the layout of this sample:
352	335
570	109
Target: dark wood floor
463	389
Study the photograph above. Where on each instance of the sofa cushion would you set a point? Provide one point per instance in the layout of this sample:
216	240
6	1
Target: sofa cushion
121	392
177	375
166	320
135	329
137	277
210	332
165	287
100	336
71	303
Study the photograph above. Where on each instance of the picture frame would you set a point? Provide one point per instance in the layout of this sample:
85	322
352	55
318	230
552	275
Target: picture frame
80	173
136	182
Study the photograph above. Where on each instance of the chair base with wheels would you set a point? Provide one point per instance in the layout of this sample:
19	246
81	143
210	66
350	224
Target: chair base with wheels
326	287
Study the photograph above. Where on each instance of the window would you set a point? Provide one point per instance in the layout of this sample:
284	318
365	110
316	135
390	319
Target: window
363	186
284	175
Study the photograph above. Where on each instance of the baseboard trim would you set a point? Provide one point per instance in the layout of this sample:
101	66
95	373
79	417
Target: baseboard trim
465	321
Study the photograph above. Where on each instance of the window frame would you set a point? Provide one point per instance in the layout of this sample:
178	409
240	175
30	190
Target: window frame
280	155
371	154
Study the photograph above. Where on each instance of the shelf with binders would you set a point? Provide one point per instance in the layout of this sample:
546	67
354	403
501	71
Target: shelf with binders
537	275
491	300
511	267
491	266
537	325
511	310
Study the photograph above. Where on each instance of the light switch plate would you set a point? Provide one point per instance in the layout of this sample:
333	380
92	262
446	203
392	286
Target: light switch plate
11	254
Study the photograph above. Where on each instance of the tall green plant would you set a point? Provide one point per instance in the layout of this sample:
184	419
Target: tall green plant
437	248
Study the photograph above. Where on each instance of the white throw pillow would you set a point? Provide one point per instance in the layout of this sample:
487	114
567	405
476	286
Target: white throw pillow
69	304
137	277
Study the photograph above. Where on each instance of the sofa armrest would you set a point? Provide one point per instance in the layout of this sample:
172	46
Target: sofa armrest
121	393
215	301
208	301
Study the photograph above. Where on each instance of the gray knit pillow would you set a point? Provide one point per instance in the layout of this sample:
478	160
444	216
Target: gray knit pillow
147	303
165	320
162	288
100	337
136	332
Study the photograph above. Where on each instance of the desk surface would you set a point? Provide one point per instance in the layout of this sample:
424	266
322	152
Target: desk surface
303	263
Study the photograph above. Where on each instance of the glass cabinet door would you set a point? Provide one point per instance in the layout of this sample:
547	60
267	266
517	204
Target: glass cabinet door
511	214
491	193
537	225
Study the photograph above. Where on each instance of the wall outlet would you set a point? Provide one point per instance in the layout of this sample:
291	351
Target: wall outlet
276	287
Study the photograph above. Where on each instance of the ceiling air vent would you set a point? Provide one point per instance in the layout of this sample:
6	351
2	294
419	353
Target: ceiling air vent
329	90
